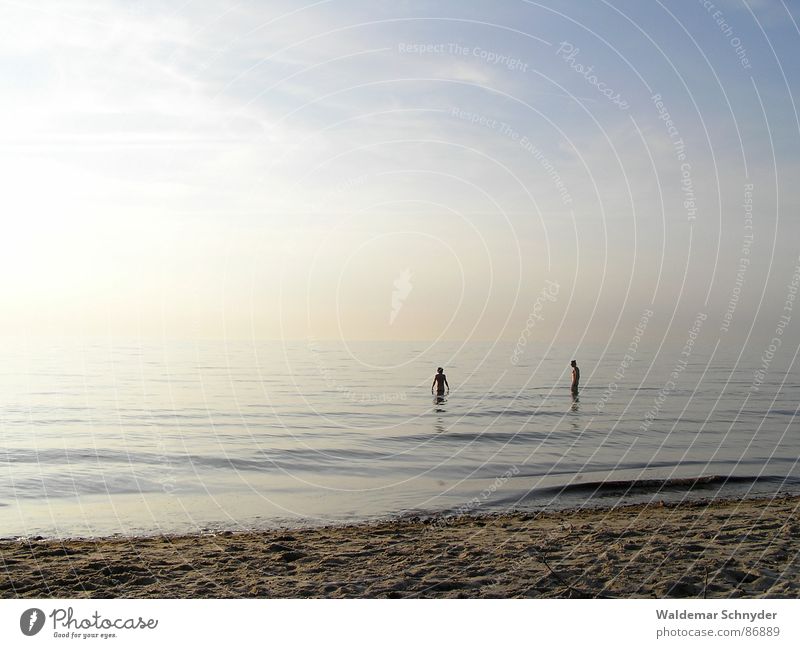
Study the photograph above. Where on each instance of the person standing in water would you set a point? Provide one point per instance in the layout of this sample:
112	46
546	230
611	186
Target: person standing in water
576	376
440	382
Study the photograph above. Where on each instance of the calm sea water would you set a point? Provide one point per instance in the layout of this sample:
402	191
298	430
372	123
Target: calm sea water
127	438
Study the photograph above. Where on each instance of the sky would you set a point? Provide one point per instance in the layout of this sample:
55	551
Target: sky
399	170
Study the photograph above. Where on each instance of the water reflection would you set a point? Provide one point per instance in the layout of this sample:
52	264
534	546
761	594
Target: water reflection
575	421
439	408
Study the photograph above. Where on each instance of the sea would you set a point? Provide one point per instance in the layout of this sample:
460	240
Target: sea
100	438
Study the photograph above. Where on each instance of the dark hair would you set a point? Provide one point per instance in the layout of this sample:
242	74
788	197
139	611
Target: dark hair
439	370
573	363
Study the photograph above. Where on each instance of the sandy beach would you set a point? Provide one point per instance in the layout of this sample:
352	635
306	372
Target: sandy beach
745	548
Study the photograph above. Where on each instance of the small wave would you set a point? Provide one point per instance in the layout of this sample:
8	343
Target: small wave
70	485
285	458
454	436
640	486
512	412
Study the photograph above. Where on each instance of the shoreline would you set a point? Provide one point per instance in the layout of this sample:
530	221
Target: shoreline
717	549
593	496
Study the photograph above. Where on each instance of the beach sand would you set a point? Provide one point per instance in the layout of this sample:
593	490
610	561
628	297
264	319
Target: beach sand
744	548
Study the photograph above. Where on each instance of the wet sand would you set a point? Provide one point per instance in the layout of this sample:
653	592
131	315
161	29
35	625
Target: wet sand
744	548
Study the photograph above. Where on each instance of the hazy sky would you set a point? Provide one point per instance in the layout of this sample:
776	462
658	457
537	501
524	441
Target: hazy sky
398	170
